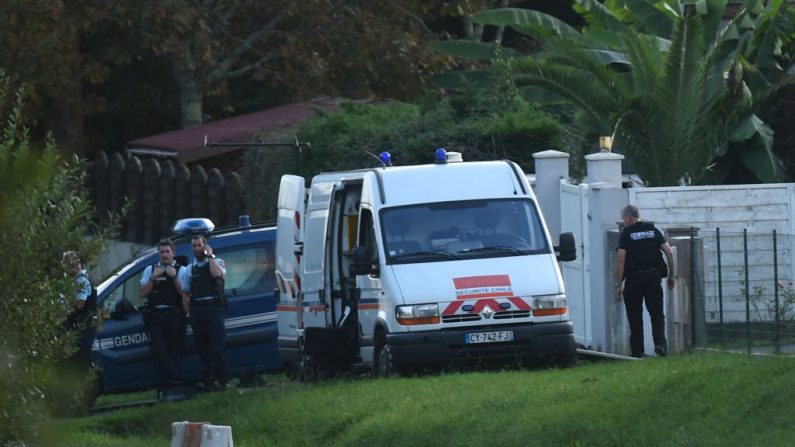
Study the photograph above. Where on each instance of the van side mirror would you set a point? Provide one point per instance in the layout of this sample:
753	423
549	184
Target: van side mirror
566	250
362	264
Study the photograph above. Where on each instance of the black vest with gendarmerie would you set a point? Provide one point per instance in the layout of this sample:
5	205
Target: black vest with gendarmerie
202	283
164	292
643	250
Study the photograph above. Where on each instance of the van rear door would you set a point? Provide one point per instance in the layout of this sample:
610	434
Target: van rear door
289	238
312	299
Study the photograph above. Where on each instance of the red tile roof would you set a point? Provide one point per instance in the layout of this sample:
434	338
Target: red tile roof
187	145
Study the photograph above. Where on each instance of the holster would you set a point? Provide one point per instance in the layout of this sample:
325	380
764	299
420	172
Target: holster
220	300
146	315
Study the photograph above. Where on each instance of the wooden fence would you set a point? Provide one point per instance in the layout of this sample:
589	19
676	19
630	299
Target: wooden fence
161	192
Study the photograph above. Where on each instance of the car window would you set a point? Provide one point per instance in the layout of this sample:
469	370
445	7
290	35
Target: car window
249	269
124	298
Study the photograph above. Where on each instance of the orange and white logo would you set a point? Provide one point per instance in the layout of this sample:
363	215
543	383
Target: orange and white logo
488	286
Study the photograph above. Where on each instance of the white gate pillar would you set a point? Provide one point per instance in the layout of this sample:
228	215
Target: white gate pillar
604	170
551	167
605	203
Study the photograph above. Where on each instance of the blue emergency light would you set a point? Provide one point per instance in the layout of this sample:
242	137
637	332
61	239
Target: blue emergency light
193	225
441	156
386	158
244	220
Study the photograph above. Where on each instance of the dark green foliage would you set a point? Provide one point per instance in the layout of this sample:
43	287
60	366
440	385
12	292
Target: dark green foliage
482	126
261	172
524	132
44	211
682	94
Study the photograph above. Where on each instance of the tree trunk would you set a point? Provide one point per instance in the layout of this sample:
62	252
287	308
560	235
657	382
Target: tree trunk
69	129
191	94
69	125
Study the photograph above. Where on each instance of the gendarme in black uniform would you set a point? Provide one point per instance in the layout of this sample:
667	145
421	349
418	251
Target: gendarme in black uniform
207	319
165	320
642	242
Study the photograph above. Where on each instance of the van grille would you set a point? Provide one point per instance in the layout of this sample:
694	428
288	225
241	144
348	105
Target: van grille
512	314
460	318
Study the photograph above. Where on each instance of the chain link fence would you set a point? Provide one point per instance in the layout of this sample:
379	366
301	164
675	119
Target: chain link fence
749	295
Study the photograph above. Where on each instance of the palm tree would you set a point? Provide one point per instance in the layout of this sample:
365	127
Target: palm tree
668	118
674	86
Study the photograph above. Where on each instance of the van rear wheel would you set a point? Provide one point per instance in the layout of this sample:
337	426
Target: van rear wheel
306	368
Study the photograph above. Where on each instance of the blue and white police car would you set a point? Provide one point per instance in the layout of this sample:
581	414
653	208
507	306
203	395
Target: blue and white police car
120	348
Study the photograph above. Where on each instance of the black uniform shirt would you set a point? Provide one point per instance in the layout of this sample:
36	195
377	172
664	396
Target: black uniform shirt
642	241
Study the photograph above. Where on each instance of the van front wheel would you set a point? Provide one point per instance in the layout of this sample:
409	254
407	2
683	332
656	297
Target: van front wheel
385	367
567	358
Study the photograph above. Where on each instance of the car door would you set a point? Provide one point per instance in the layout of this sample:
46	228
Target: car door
122	341
250	321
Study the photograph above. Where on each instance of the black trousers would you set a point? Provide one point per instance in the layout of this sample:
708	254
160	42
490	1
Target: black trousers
166	335
640	287
207	321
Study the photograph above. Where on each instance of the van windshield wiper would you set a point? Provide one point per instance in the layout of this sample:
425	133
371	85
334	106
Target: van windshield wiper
499	248
426	255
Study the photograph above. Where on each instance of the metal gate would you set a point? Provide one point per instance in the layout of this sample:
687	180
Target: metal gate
576	274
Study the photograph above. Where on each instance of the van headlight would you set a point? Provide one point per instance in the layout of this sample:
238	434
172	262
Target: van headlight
546	305
417	314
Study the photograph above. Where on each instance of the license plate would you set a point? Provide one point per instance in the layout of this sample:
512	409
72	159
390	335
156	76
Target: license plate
489	337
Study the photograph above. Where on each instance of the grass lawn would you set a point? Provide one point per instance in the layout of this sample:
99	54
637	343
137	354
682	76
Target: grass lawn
703	399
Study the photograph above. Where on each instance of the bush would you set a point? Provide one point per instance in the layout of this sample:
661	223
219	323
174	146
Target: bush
44	211
476	123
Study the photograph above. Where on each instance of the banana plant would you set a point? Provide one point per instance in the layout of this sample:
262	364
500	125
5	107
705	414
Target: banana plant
676	85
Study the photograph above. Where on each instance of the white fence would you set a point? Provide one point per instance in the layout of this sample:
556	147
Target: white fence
590	211
576	274
758	209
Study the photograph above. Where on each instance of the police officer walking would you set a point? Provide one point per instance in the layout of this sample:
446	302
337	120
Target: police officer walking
638	265
85	300
165	317
203	283
84	305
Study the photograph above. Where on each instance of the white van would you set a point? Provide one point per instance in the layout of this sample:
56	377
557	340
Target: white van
407	267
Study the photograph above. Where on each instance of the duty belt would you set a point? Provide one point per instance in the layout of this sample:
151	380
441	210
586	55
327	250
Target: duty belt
164	307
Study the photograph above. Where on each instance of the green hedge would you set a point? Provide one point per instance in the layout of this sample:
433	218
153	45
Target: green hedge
470	124
44	211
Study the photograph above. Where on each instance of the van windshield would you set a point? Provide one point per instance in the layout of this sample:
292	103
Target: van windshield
470	229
